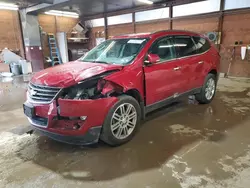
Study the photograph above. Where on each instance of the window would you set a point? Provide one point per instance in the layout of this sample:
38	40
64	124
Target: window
164	49
120	19
229	4
95	22
117	51
197	8
184	46
202	45
152	14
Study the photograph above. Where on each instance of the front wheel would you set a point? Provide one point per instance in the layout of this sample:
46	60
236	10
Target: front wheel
121	122
208	90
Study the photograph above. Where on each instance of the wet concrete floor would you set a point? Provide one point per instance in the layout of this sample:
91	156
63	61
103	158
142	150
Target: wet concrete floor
183	145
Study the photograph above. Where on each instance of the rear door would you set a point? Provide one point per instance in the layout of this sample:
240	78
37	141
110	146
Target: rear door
188	59
202	64
163	79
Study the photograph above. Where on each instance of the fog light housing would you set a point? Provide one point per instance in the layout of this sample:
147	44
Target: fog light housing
83	118
76	127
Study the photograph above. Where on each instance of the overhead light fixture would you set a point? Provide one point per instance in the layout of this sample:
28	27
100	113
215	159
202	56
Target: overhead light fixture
146	1
62	13
8	6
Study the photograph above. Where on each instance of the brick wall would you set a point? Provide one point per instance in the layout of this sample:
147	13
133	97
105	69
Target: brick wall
148	27
200	25
10	32
96	32
235	28
121	29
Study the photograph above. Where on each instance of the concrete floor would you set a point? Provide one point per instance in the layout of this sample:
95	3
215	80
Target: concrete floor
185	145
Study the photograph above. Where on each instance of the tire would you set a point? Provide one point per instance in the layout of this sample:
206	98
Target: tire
201	97
109	134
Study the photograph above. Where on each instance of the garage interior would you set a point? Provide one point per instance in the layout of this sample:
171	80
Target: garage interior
182	145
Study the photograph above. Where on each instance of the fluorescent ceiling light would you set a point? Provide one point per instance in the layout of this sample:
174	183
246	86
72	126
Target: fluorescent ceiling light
8	6
146	1
62	13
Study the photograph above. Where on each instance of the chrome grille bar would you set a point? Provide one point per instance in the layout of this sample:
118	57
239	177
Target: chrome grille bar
42	94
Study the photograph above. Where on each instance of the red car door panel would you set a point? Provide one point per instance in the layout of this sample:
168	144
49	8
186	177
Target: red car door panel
162	81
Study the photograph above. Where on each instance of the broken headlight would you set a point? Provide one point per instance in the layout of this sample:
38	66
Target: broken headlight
81	91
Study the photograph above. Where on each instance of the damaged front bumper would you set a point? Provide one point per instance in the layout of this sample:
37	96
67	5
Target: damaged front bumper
70	121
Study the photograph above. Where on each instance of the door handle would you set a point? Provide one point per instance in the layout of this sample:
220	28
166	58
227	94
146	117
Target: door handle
177	68
201	62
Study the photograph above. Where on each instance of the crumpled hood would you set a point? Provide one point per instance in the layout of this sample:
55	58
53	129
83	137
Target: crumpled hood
70	73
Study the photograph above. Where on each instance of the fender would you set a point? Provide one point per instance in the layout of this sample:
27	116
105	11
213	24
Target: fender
129	79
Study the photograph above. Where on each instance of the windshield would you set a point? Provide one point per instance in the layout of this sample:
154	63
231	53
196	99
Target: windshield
117	51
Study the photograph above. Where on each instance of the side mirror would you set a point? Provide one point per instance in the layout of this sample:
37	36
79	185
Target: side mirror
152	59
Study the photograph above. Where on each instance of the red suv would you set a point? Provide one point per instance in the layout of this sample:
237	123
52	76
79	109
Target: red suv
106	93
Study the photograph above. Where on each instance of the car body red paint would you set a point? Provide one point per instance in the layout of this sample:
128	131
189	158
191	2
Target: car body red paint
70	73
154	83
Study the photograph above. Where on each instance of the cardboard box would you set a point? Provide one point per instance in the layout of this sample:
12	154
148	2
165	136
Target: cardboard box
4	67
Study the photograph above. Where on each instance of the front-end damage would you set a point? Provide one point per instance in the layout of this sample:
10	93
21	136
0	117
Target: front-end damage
93	88
78	112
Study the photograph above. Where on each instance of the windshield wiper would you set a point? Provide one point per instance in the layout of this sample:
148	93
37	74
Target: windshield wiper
102	62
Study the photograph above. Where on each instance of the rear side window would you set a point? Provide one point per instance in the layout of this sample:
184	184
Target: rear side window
184	46
202	44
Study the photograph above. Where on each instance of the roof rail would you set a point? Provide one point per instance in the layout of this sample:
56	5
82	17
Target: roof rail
173	30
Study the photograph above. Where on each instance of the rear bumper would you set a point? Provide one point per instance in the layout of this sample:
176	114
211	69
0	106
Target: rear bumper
90	137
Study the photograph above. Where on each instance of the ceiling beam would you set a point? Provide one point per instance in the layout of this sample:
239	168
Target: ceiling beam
39	8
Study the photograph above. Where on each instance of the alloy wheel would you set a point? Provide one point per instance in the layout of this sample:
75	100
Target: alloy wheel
123	121
210	89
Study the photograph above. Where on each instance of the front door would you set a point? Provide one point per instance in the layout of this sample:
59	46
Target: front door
163	79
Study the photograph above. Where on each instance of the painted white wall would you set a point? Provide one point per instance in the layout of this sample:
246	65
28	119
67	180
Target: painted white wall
152	14
63	46
234	4
197	8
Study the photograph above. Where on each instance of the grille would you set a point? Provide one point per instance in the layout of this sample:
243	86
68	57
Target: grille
42	94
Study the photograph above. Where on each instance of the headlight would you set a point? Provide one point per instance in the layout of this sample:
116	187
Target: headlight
92	89
85	90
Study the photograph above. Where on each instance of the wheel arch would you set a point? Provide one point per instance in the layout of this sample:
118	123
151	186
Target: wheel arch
136	94
213	71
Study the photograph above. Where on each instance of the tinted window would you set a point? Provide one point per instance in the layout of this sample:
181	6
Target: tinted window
202	44
184	46
164	48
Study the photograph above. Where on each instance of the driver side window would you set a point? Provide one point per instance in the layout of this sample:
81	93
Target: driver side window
164	48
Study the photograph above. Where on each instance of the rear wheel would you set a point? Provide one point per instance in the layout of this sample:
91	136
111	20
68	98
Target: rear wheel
208	90
121	122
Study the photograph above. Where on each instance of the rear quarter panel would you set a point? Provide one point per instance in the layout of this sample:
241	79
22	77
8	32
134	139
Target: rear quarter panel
211	62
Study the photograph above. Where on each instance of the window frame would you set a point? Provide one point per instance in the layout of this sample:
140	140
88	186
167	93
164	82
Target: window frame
207	41
186	36
156	41
194	44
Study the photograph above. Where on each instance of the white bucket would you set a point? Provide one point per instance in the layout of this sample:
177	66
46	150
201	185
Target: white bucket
24	66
